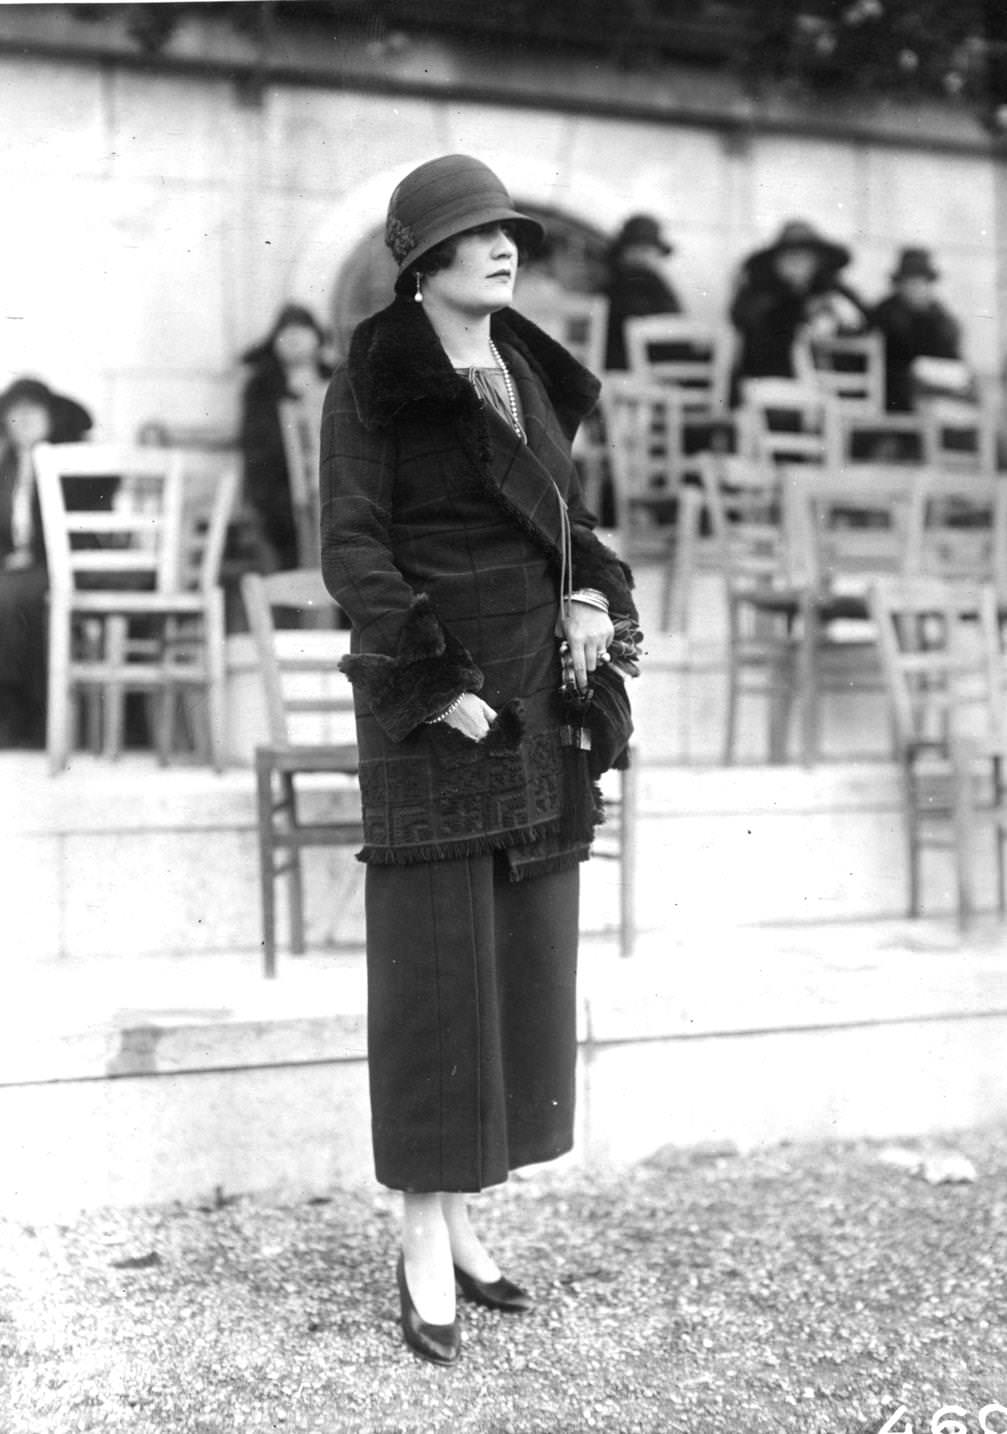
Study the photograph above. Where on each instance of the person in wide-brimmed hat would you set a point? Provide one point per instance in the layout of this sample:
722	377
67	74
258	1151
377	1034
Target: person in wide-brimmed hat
637	283
30	413
785	288
914	324
490	627
290	365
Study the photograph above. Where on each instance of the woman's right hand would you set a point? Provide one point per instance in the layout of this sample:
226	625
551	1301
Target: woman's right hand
472	717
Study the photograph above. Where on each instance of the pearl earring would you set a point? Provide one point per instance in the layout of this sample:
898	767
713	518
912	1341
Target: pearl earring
418	296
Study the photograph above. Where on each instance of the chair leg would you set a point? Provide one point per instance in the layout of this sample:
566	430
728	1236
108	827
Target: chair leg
216	686
113	693
267	863
808	686
58	696
912	818
627	853
733	682
680	563
963	817
998	834
295	875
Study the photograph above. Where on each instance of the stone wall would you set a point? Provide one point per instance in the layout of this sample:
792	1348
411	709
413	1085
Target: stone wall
153	223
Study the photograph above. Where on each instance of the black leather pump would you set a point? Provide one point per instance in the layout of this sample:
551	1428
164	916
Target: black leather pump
501	1294
441	1343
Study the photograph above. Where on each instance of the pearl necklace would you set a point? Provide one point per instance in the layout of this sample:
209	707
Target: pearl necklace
515	415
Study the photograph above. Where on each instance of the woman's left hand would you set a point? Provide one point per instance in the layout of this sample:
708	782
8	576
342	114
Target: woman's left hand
588	632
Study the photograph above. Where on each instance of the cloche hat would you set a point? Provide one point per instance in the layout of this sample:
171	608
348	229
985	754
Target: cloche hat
914	263
641	229
799	234
444	197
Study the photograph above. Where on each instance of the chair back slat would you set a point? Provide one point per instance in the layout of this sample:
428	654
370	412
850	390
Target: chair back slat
642	428
298	666
959	433
849	368
784	420
934	657
747	523
109	508
959	525
577	321
688	355
852	524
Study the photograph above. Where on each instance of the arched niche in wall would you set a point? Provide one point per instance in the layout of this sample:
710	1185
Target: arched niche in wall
345	272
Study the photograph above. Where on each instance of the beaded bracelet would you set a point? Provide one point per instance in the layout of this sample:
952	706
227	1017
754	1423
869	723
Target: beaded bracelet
591	597
451	707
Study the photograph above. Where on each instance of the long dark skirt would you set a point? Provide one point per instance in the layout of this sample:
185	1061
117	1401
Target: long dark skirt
472	1030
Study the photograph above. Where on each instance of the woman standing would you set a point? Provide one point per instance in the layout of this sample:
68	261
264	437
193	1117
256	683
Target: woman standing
455	538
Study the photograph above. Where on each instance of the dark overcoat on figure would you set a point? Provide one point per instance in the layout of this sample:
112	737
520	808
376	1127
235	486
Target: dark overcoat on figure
443	541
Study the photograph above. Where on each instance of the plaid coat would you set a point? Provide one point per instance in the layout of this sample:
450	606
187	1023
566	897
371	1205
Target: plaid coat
442	542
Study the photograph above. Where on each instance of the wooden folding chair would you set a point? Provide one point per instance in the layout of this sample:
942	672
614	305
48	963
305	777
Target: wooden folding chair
848	528
309	706
941	658
767	600
114	521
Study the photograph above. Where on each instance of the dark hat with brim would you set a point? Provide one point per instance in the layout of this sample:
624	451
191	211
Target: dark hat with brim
445	197
641	229
914	263
799	234
68	419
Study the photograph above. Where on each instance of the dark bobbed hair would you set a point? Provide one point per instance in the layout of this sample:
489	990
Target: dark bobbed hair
442	256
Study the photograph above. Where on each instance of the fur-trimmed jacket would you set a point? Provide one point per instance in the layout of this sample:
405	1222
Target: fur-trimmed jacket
442	540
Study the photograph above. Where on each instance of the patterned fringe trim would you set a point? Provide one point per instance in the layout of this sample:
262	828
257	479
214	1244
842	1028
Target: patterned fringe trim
454	850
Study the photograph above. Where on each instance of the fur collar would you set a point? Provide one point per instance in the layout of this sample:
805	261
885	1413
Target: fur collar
397	368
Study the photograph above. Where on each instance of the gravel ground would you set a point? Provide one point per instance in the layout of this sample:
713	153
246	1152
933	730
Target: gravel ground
817	1289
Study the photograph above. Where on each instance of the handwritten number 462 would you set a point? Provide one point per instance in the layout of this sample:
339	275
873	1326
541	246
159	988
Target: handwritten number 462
950	1419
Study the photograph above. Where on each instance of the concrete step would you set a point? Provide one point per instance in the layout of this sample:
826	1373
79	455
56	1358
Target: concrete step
131	860
137	1082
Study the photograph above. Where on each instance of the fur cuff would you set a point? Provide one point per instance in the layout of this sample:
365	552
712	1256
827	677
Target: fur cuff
597	566
429	670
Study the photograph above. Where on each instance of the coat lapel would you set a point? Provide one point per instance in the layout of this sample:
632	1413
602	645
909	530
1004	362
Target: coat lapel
398	371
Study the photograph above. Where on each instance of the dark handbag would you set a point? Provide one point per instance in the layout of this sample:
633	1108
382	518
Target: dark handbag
609	719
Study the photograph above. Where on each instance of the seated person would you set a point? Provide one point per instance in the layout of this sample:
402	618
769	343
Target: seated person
786	290
289	363
637	284
30	413
914	325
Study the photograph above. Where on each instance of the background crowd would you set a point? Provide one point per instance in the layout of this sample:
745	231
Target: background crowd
793	287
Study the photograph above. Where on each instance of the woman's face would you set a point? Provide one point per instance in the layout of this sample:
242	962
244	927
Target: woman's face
27	423
480	278
797	267
296	344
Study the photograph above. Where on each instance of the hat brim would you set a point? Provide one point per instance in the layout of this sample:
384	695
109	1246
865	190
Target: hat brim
531	230
68	419
831	256
929	273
